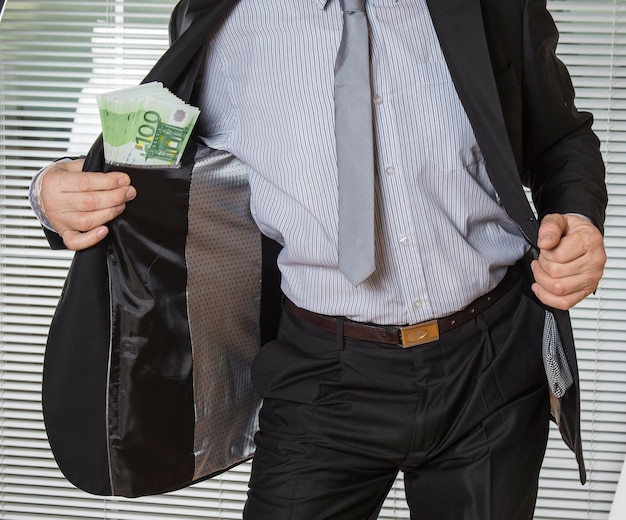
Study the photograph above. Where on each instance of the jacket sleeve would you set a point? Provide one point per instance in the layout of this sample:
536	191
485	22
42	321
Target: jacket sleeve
563	165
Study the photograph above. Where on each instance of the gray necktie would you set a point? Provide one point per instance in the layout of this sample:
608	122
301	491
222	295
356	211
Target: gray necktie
355	145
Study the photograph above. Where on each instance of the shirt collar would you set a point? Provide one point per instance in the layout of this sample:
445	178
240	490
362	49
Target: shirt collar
321	3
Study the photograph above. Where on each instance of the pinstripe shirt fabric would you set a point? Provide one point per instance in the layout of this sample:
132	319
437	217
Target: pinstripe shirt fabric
442	238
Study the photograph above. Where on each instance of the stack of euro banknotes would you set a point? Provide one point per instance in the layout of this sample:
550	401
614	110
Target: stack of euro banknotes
145	125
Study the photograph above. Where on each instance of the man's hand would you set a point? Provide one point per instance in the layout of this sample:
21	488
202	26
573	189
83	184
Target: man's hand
571	260
78	204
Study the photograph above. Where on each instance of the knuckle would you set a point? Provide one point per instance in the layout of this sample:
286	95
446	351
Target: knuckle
554	269
69	239
71	244
559	289
83	182
83	223
87	202
591	283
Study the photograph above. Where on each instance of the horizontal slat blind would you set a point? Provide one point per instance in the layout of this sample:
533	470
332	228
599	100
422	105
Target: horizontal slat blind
55	55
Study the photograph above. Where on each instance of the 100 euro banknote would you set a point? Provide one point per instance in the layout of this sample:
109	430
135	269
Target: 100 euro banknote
145	125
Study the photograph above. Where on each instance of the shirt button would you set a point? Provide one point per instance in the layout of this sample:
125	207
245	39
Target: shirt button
390	170
404	241
378	99
417	304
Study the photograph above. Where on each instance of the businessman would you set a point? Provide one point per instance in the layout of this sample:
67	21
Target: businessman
416	346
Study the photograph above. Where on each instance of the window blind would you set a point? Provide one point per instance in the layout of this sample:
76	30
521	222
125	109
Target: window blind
55	56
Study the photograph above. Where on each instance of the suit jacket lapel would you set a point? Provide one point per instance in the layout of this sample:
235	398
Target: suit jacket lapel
459	26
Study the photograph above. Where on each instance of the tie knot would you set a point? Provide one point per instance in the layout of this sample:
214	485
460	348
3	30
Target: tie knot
352	5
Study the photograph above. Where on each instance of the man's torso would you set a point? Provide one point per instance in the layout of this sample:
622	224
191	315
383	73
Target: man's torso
442	238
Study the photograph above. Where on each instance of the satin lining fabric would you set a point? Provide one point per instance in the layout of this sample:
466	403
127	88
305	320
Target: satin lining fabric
169	270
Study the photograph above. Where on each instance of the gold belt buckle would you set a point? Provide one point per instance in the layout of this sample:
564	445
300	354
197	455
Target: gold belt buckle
419	334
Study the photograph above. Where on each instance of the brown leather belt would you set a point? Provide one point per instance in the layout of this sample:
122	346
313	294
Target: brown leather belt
410	335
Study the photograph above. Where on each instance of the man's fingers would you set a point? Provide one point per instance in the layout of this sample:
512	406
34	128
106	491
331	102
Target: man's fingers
565	260
583	280
85	191
85	212
80	201
67	176
571	260
93	181
86	221
99	200
564	285
558	302
76	240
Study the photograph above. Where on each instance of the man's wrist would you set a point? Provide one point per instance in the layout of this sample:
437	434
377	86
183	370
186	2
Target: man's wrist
34	194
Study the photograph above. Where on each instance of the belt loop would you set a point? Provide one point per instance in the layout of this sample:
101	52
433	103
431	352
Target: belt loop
340	334
482	323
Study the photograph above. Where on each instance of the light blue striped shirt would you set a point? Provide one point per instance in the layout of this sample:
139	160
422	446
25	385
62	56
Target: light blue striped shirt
267	97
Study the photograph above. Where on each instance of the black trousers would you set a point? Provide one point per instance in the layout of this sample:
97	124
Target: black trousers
464	418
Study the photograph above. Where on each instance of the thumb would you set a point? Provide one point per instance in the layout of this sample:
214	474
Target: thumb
551	230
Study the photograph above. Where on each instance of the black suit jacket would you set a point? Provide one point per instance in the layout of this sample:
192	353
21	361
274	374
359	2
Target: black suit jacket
534	136
520	101
505	50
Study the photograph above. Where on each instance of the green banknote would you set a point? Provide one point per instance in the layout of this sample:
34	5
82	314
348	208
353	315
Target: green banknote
145	125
